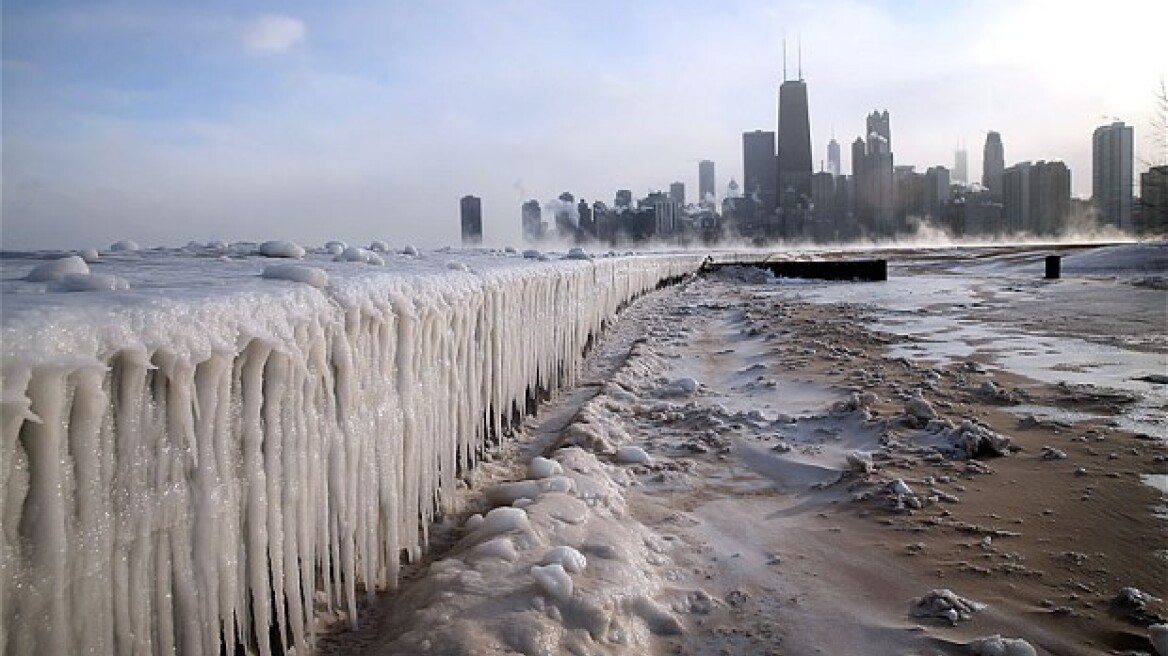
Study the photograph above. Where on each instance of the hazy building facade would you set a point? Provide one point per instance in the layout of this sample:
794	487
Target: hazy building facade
1111	174
1036	198
532	217
1154	201
936	191
1016	198
707	185
872	171
833	158
993	164
960	166
677	192
471	214
758	168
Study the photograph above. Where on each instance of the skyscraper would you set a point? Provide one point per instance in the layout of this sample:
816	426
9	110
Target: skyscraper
960	166
872	165
532	219
758	168
794	143
993	163
936	190
471	211
879	133
677	193
707	187
1111	174
833	158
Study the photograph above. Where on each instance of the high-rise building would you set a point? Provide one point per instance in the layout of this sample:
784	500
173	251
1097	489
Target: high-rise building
794	144
1154	200
1036	198
532	220
875	184
677	193
936	190
471	213
1016	198
993	163
707	187
833	158
1111	174
960	166
758	168
623	199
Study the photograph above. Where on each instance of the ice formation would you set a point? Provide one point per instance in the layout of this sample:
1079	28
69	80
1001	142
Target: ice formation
180	471
281	249
57	269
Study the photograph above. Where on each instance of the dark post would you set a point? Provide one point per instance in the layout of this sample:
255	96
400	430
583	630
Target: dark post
1053	263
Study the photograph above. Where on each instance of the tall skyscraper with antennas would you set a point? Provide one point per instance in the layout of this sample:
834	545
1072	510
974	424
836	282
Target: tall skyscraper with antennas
794	138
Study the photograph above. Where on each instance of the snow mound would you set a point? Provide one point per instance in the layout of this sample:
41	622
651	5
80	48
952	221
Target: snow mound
57	269
378	246
632	455
296	273
90	255
500	548
89	282
506	494
286	249
124	246
541	467
996	645
553	580
335	247
503	520
410	250
358	254
572	560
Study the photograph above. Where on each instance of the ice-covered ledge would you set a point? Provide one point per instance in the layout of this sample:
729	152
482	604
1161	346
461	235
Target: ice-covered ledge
210	452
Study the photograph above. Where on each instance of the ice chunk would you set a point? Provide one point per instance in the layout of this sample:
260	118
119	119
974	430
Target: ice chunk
410	250
553	580
680	387
335	247
277	248
378	246
57	269
532	254
89	282
632	455
541	467
89	255
297	273
942	603
571	559
457	266
504	520
124	245
577	253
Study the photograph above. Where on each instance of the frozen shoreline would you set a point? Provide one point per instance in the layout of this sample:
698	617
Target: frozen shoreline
758	533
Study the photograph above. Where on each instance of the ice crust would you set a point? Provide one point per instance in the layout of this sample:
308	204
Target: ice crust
171	463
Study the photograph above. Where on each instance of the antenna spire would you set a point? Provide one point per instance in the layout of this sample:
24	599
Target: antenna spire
784	55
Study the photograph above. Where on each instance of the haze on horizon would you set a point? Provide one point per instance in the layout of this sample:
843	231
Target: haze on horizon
169	122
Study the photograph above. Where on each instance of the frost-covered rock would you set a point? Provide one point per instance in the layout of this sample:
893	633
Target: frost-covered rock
335	247
57	269
920	410
276	248
946	605
996	645
297	273
975	440
680	387
860	461
500	548
89	282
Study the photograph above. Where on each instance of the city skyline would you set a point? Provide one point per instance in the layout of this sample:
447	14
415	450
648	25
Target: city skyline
168	123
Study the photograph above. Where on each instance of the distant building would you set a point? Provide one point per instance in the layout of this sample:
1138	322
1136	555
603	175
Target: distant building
623	200
707	185
1036	198
566	216
758	167
993	164
471	211
875	185
1154	201
960	166
825	212
532	217
585	225
794	145
833	158
937	189
909	196
1111	174
664	213
677	192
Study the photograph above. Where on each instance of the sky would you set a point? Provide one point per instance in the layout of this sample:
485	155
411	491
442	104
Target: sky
362	120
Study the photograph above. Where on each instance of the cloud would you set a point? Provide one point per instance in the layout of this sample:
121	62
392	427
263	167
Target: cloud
272	34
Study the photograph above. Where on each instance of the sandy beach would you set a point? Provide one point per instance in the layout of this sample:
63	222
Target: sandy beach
754	466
